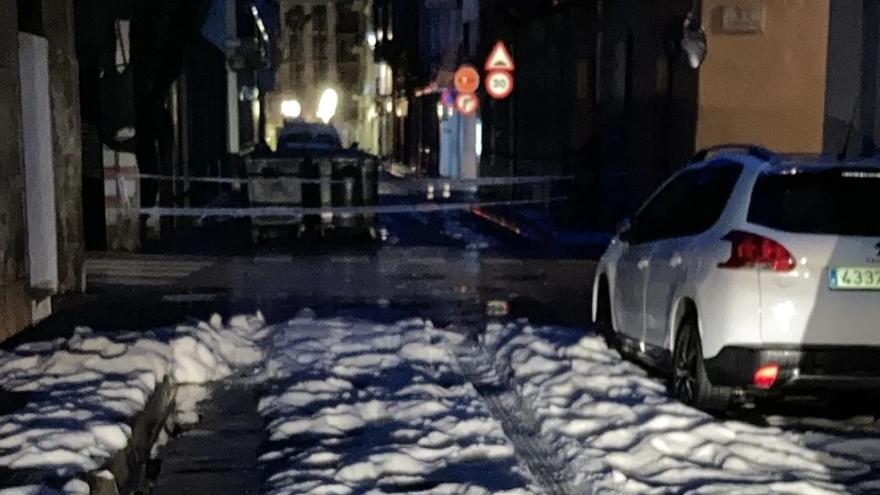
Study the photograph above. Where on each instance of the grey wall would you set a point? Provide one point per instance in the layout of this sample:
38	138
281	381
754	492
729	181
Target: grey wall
844	85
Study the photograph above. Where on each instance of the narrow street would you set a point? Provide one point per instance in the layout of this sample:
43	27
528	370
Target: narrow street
429	263
439	247
576	419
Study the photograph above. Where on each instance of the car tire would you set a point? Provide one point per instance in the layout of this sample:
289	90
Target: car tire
689	382
604	323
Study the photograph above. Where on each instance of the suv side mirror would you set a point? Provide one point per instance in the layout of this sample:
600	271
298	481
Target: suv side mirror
623	229
693	42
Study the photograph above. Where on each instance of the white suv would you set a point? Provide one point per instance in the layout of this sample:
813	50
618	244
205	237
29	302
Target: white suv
750	274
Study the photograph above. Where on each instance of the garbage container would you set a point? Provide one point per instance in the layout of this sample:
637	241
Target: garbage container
276	182
325	180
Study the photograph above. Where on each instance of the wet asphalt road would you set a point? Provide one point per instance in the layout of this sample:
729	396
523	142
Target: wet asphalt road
443	266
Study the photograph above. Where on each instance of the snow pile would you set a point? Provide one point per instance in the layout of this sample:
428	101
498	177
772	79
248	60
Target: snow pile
211	351
83	393
72	487
355	407
618	429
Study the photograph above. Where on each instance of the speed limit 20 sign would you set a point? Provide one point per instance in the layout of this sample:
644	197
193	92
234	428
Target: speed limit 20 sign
499	84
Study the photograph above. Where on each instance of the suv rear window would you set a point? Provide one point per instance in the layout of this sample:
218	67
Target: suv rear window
842	202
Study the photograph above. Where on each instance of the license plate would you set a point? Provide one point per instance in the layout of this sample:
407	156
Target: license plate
854	278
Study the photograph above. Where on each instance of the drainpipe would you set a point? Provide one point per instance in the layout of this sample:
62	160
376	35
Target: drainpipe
870	52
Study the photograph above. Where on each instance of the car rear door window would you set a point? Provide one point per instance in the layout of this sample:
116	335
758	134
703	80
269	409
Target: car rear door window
689	204
828	201
656	219
710	193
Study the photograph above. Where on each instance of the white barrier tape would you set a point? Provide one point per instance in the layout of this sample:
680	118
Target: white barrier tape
415	184
229	180
480	181
288	211
218	180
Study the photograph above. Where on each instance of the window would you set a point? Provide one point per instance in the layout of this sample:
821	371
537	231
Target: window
689	204
841	202
30	17
297	138
327	140
348	20
319	19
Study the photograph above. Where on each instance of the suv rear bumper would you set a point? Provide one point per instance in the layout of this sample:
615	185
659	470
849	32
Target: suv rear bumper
802	369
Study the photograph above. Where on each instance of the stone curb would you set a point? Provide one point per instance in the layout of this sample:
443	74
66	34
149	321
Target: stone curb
128	466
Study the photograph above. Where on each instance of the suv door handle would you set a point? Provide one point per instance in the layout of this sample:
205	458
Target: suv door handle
643	264
675	261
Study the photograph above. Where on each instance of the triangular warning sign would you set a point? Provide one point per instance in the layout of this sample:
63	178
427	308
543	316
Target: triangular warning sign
499	59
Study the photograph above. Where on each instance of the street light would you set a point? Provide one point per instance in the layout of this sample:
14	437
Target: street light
402	108
291	109
327	105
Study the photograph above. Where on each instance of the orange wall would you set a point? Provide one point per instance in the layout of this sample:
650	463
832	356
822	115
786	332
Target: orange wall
766	88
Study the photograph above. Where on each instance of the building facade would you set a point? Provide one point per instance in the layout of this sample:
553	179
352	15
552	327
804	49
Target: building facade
852	127
41	243
763	81
322	44
605	92
544	127
423	43
169	88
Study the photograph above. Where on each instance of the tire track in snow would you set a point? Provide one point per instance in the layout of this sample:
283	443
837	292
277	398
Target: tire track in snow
507	406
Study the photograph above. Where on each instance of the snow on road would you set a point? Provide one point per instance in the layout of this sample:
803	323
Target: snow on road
353	407
82	393
356	407
617	431
350	407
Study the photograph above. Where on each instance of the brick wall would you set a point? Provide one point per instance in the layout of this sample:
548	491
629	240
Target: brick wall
15	308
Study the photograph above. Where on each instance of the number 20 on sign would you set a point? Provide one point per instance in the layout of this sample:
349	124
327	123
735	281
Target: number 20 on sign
499	84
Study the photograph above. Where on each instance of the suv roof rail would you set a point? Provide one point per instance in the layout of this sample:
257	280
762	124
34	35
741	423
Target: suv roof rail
756	151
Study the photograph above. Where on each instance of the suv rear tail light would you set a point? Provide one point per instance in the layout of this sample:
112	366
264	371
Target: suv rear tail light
754	251
765	377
